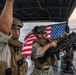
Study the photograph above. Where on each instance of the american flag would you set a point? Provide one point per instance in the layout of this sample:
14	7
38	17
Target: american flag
53	31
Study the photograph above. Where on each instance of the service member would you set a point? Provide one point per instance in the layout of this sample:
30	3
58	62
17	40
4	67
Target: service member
11	60
39	49
6	19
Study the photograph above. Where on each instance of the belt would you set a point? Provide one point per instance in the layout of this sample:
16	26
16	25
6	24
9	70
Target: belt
43	68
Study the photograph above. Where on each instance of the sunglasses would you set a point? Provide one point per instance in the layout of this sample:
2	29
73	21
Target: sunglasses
16	28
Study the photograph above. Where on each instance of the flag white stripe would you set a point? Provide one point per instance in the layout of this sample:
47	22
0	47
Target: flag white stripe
29	42
26	47
28	52
29	39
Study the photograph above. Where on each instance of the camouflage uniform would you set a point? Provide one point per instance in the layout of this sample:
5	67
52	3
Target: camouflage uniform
36	50
11	56
43	72
18	63
10	52
44	68
5	54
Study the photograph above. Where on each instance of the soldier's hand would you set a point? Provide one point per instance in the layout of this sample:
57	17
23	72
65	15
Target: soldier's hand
53	43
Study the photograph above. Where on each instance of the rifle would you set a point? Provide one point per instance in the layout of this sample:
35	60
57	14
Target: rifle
64	42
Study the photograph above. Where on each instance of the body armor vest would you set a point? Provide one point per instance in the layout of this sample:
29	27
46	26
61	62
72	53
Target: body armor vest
18	63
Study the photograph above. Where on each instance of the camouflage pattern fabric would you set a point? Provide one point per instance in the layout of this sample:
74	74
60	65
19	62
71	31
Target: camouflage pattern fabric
43	72
5	54
36	50
10	54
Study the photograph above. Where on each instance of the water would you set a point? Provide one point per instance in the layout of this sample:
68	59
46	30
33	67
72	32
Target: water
71	30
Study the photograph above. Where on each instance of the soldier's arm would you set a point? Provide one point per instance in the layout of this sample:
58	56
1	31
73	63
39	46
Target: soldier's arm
45	47
6	17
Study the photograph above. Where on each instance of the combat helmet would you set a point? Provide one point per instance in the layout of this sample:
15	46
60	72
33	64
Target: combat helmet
17	22
16	25
39	29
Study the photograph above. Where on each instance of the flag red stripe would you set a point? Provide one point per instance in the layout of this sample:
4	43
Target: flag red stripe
28	44
31	39
25	50
26	54
49	29
48	33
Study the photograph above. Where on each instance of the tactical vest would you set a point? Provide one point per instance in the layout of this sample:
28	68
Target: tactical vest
49	61
18	63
